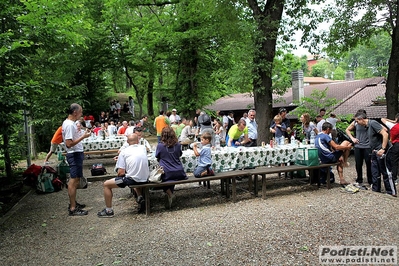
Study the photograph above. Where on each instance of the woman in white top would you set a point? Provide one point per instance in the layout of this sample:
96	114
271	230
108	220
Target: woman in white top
221	131
307	126
186	132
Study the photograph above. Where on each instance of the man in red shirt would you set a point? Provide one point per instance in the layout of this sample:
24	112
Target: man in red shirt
393	152
122	129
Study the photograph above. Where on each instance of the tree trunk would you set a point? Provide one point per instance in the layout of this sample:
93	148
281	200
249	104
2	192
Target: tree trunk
392	86
7	157
150	97
268	24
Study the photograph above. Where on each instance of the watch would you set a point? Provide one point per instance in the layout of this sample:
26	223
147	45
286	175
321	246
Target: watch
383	148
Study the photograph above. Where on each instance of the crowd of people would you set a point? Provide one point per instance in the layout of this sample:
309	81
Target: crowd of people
373	144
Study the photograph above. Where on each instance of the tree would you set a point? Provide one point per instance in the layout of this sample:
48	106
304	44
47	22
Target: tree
322	68
267	19
15	83
356	21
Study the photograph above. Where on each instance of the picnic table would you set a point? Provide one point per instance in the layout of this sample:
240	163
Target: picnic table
230	158
94	144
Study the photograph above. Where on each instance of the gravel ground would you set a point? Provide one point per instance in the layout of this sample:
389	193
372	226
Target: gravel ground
204	228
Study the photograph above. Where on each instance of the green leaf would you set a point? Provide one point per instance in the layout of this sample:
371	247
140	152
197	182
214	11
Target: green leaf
304	248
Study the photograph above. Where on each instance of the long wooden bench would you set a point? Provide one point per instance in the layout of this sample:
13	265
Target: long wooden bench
224	177
230	177
263	171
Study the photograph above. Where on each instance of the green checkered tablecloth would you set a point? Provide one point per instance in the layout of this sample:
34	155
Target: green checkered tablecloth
95	144
229	158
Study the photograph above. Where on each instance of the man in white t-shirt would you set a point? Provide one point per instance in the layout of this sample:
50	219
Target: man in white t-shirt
72	139
174	118
133	169
320	121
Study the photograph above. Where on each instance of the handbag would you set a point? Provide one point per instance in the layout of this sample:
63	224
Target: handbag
98	169
156	174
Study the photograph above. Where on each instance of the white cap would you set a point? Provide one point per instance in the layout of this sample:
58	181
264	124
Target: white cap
174	110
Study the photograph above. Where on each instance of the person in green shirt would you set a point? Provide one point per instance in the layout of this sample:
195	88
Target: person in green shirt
235	133
180	125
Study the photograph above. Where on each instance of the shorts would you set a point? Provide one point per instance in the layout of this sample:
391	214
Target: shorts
333	157
53	147
75	161
123	181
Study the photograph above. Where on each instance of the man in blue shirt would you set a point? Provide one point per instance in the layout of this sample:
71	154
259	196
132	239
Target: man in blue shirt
331	152
252	129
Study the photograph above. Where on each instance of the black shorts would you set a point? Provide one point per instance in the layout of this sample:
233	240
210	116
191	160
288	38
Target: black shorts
123	181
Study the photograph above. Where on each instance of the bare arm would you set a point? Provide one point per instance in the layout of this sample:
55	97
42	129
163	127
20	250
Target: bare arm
338	147
121	172
384	145
69	143
195	149
349	130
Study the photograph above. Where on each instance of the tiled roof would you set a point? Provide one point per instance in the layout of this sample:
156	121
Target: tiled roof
356	94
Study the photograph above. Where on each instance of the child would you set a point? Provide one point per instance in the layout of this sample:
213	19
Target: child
203	167
278	129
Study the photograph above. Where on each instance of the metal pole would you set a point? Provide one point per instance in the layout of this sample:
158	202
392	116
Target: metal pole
26	129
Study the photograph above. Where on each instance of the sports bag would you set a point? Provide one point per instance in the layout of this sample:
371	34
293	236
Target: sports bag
44	181
98	169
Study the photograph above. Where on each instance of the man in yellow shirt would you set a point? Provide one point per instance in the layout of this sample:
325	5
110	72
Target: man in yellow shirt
160	122
235	133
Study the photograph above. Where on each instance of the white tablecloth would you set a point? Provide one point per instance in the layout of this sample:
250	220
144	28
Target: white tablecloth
229	158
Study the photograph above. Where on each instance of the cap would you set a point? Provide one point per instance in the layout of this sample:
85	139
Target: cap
282	110
174	110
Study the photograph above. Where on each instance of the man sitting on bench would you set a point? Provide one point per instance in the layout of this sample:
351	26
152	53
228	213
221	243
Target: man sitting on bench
133	169
331	152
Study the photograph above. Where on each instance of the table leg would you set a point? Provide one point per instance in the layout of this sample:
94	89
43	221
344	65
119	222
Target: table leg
263	186
233	189
147	200
328	178
228	188
250	184
255	184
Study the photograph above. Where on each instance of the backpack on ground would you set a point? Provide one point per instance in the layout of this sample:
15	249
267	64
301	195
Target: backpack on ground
44	182
98	169
57	184
30	175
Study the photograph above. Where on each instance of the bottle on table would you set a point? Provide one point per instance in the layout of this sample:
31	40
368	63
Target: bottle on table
217	142
293	141
312	137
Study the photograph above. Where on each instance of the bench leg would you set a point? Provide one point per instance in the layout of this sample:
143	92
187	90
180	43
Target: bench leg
147	200
233	189
222	182
255	184
263	186
208	183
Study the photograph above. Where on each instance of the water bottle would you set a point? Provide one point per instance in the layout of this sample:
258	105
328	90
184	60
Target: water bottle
217	142
292	141
312	136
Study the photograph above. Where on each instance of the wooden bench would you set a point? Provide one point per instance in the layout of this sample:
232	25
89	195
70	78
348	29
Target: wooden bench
263	171
224	177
